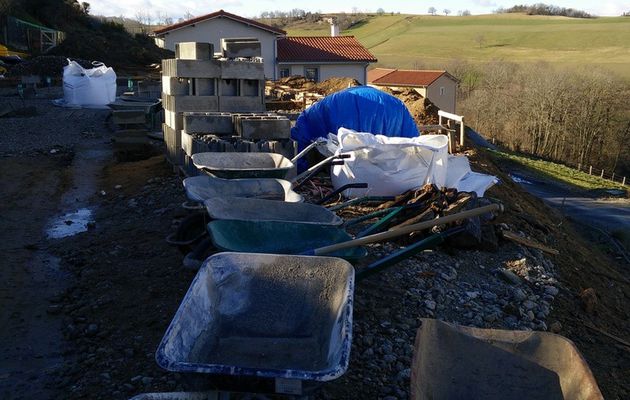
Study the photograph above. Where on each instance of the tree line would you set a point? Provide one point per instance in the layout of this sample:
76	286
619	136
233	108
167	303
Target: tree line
573	117
545	9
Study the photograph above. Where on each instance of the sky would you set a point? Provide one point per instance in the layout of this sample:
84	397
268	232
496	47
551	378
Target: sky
176	9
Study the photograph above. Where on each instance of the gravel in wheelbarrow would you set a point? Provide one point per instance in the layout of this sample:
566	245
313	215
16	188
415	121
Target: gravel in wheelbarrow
243	165
200	188
264	315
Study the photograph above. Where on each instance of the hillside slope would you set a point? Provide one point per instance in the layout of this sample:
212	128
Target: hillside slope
408	41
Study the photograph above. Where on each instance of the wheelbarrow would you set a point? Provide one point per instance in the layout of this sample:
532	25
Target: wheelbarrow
457	362
273	322
200	188
248	165
249	209
301	238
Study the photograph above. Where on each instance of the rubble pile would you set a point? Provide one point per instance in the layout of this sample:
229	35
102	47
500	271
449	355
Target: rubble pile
424	112
51	66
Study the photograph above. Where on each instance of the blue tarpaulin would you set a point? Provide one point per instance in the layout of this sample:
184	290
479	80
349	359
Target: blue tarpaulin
361	108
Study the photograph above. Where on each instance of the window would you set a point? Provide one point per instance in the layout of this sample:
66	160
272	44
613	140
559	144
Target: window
285	72
312	74
442	90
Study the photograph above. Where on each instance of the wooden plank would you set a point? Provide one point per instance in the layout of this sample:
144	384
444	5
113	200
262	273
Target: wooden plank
528	242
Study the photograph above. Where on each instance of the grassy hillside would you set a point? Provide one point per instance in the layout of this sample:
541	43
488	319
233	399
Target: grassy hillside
408	41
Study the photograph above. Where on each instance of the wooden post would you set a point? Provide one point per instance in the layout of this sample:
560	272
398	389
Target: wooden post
602	175
461	133
624	181
613	177
579	166
590	170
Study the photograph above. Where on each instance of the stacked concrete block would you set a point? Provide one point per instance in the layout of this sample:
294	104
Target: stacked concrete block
196	82
218	123
241	47
263	127
194	51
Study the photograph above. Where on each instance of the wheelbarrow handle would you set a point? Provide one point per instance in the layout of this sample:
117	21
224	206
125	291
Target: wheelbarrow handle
319	166
313	173
379	237
409	251
316	143
341	189
359	200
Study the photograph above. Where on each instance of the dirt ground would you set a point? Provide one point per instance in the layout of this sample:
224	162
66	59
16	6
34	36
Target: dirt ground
83	315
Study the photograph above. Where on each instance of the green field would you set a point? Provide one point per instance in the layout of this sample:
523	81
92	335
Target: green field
408	41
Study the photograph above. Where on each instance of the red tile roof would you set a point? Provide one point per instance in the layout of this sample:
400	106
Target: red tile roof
322	49
377	73
219	14
400	77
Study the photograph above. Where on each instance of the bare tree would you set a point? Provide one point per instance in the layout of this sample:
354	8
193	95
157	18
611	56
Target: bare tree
432	10
446	11
380	11
480	39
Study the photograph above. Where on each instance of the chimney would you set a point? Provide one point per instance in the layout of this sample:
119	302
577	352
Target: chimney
334	29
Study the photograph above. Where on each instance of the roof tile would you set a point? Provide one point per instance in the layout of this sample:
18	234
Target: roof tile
322	49
218	14
401	77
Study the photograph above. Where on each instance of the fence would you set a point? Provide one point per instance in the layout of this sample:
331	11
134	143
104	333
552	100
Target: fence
608	175
27	37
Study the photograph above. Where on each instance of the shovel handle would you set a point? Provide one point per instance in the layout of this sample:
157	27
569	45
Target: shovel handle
379	237
316	143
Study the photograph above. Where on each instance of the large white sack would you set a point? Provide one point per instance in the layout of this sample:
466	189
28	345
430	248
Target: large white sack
389	165
462	178
88	87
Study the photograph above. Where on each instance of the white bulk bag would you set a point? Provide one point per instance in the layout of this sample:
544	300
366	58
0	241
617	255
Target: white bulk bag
88	87
389	165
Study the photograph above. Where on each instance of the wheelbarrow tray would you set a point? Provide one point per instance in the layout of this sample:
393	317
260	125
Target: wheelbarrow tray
454	362
250	209
277	237
200	188
264	315
243	165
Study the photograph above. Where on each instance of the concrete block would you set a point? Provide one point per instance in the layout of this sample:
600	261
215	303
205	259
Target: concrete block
216	123
204	87
174	120
251	87
190	103
175	86
242	70
172	139
189	167
191	68
229	87
246	48
241	104
129	117
187	143
194	51
265	128
287	147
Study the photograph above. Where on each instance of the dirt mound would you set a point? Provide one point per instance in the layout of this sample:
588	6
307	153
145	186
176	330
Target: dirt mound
332	85
329	86
424	112
45	66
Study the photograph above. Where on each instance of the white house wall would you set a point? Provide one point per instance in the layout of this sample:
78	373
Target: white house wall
446	101
211	31
326	71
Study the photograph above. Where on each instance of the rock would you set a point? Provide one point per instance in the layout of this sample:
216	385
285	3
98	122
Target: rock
147	380
530	315
509	276
103	193
430	304
519	295
106	376
389	358
529	305
136	378
551	290
555	327
589	300
118	187
472	295
91	330
490	317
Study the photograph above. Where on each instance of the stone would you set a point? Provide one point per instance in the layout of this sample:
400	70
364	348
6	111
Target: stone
509	276
529	305
430	304
519	295
551	290
555	327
